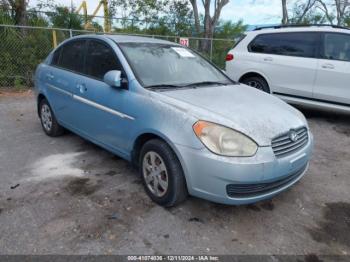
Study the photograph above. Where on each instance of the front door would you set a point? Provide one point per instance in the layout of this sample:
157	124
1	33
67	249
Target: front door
289	61
100	106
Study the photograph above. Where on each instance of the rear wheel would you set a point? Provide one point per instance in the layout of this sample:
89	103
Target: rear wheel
162	174
257	82
48	120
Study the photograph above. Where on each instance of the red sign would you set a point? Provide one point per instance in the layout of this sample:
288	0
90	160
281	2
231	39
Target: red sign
184	41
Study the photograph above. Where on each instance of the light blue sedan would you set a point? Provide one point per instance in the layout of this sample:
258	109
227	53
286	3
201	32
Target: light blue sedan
186	126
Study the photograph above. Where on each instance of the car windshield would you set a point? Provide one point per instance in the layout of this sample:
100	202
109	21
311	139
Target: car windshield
170	66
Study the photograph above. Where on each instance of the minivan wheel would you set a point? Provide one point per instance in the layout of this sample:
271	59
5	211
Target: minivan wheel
162	174
48	120
257	82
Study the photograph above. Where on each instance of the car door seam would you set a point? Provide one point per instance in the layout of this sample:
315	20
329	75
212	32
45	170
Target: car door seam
59	89
101	107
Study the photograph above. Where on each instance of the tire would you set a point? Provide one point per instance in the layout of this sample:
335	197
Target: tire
164	157
48	120
257	82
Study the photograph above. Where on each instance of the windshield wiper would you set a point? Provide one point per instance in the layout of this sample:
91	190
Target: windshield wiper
162	86
170	86
203	83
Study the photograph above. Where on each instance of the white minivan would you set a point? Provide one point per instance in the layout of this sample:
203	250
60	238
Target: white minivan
305	65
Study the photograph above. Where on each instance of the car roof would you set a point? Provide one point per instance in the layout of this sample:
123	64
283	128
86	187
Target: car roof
127	38
315	28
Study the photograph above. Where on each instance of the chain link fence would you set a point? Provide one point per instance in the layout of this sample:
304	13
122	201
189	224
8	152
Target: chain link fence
22	48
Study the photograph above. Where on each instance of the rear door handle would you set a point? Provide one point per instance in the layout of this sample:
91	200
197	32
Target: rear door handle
268	59
50	76
328	66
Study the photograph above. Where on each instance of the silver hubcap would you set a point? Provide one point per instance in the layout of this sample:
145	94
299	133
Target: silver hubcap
46	117
155	173
255	84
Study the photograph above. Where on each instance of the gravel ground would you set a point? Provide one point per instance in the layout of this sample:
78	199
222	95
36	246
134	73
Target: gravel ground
67	196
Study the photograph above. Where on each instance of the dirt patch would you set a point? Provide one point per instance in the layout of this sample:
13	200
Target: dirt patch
137	181
82	186
15	93
335	226
253	207
344	131
112	215
196	219
268	206
86	146
312	258
111	173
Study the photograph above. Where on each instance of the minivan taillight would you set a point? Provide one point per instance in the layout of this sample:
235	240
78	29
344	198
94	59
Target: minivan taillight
229	57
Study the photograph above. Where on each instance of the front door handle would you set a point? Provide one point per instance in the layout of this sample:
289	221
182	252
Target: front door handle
82	88
328	66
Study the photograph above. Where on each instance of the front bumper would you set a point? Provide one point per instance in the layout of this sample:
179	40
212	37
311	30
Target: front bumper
208	175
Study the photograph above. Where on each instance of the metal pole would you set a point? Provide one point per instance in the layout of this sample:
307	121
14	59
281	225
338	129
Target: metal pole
70	33
211	49
54	38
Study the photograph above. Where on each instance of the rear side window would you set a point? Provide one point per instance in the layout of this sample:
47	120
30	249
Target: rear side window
238	39
56	57
289	44
100	59
336	47
72	56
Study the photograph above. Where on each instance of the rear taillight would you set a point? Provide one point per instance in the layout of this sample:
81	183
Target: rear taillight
229	57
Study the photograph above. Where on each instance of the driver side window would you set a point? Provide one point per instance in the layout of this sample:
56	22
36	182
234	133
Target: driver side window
100	59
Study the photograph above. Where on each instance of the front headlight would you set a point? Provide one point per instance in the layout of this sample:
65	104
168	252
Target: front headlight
223	140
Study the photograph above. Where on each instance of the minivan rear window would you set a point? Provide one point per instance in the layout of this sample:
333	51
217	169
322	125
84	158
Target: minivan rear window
238	39
336	47
301	44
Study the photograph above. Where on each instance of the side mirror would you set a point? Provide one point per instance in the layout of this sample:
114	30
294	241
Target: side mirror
113	78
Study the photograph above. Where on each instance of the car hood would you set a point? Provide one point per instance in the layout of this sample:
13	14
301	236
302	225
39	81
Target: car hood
259	115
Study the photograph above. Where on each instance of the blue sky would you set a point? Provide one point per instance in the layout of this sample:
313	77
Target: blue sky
251	11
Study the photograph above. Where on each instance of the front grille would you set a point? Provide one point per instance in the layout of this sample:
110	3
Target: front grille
284	145
251	190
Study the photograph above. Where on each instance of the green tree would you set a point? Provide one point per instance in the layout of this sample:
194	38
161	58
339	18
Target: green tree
180	16
5	17
137	9
36	19
347	20
17	10
159	28
225	30
211	18
63	17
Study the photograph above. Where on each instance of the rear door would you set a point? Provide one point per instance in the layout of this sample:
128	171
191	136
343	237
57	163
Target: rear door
66	65
288	60
333	77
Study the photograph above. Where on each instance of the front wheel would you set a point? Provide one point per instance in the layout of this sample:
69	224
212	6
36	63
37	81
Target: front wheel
162	174
257	82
